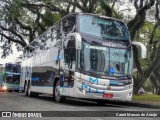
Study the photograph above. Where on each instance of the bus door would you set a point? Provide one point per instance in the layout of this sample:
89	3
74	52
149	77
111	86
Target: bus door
68	26
69	68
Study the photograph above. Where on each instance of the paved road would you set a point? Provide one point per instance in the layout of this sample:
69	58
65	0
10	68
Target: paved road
18	102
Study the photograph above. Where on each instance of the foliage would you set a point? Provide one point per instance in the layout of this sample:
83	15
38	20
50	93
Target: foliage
146	97
148	87
22	21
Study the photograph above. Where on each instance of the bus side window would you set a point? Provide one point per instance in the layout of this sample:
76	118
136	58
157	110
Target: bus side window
70	58
69	25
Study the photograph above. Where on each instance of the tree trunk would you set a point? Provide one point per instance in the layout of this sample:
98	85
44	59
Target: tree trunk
158	91
136	86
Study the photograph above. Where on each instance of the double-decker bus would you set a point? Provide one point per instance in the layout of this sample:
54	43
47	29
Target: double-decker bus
10	77
83	56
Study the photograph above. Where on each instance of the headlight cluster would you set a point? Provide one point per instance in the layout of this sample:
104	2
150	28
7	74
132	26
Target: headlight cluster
79	80
83	82
4	88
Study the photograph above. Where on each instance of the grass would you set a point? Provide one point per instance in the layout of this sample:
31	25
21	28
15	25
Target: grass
147	97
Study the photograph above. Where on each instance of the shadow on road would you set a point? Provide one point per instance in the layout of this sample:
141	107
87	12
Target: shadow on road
76	102
79	102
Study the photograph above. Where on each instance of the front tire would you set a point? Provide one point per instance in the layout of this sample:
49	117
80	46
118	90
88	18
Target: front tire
26	89
57	95
30	93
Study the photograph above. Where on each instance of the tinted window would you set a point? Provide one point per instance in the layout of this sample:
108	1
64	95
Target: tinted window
12	79
69	25
104	60
70	58
103	27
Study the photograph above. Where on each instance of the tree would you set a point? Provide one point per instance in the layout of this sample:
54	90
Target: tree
22	21
150	65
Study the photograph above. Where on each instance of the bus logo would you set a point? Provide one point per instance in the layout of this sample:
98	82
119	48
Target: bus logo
109	44
84	86
92	80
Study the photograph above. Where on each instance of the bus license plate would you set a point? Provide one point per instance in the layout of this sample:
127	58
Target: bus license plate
108	95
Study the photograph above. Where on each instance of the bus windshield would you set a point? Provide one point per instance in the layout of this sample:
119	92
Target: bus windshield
12	79
108	29
12	68
104	60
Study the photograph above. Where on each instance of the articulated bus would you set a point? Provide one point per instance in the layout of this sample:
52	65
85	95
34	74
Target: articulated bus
10	77
84	56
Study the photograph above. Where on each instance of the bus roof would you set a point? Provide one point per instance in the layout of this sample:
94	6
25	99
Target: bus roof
70	15
93	15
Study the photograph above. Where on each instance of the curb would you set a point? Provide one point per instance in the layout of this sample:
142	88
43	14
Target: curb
135	104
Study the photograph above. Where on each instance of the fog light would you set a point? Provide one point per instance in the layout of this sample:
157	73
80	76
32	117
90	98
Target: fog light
130	94
79	80
84	91
130	86
4	88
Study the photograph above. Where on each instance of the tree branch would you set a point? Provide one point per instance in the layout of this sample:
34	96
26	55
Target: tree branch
113	4
106	7
136	60
13	40
147	6
141	3
13	32
136	4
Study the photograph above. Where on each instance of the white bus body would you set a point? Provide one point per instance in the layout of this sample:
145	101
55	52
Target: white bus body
83	56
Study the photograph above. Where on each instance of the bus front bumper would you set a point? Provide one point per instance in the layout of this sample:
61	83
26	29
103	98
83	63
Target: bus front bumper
91	93
7	87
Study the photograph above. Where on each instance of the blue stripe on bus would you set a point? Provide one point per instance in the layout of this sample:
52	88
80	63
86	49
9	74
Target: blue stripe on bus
113	83
93	92
58	57
11	73
35	79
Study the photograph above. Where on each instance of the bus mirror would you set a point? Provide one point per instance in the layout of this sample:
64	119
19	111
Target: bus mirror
143	48
78	39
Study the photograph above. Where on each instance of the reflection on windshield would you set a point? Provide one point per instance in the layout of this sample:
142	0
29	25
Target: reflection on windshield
105	61
12	68
12	79
103	28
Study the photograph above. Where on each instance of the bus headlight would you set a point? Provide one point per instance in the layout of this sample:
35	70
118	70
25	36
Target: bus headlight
79	81
130	86
4	88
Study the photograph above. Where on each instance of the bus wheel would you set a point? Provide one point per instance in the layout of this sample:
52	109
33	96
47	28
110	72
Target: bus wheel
33	94
101	102
29	90
26	89
58	97
10	90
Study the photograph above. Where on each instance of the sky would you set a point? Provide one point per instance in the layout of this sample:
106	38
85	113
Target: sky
10	58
